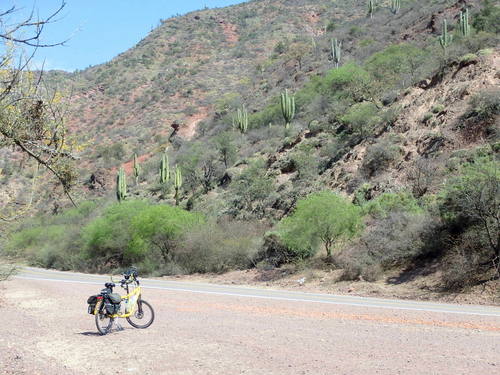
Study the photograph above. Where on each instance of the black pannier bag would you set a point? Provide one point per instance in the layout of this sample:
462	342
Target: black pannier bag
92	301
113	303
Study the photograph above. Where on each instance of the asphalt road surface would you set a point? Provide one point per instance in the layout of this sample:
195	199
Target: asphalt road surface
215	329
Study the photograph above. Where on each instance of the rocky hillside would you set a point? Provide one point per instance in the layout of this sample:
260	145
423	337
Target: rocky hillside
403	125
188	76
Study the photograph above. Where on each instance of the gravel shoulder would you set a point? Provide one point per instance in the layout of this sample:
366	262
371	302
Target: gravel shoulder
46	330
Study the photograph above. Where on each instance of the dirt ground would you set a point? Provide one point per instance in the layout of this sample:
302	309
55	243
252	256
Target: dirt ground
46	330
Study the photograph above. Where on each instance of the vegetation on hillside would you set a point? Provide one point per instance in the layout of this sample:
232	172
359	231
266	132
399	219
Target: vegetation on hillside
373	138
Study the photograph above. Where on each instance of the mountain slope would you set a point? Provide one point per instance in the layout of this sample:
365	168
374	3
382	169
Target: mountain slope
391	129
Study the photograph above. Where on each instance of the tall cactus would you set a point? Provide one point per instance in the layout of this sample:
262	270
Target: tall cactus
241	120
287	108
137	170
336	52
464	23
121	185
164	169
177	184
371	8
445	39
395	6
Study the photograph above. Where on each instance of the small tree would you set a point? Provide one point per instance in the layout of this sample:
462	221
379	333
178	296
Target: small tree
321	218
224	143
253	189
297	52
361	118
31	114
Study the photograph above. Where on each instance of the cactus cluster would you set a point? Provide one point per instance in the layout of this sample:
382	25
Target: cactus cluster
464	23
336	52
164	169
445	39
121	185
371	8
241	120
137	170
287	108
395	6
177	183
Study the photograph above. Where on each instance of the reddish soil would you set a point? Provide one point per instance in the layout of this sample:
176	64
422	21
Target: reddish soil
313	18
129	166
189	130
230	32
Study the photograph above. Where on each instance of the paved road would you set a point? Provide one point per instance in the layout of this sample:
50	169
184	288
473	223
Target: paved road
225	290
215	329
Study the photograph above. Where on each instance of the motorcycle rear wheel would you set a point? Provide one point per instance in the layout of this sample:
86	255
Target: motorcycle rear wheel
103	322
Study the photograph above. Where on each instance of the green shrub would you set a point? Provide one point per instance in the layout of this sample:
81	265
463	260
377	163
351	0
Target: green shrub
331	26
320	219
427	117
388	66
438	108
395	239
252	190
306	164
115	151
356	31
225	145
386	203
378	157
468	58
129	232
53	241
281	47
470	200
487	18
220	247
484	106
270	114
350	81
464	264
361	118
274	252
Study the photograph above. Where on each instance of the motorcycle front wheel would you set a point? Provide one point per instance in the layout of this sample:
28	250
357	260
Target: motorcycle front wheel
143	316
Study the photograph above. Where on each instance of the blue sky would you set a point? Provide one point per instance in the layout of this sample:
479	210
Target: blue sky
98	30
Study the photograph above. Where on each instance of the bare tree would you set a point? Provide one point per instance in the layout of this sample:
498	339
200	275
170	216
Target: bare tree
421	176
472	199
31	116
